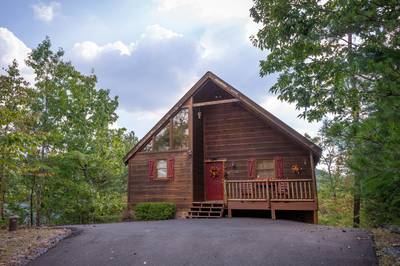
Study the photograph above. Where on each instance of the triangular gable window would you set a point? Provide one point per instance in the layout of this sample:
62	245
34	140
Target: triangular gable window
173	136
162	139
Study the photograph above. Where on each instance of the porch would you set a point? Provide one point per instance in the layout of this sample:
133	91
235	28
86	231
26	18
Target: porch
270	194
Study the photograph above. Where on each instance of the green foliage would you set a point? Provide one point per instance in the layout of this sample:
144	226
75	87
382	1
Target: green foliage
341	59
377	159
147	211
61	158
15	132
335	210
109	207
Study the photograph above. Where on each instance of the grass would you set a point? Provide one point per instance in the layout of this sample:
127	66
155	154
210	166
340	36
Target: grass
23	245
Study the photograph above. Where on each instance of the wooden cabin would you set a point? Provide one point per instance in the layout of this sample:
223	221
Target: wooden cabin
216	151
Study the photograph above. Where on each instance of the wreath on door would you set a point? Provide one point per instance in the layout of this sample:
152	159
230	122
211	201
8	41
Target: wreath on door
214	172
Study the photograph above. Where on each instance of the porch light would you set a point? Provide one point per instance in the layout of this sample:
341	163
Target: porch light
199	114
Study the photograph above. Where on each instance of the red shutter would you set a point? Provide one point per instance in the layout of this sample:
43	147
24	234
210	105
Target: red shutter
170	168
279	167
150	169
251	168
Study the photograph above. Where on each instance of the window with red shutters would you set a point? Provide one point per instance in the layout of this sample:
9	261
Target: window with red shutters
265	168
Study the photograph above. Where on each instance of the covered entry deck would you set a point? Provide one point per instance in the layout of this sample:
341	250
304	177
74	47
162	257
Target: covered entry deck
270	194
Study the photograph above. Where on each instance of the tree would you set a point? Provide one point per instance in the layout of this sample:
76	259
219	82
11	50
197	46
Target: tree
333	158
15	119
334	57
377	159
77	159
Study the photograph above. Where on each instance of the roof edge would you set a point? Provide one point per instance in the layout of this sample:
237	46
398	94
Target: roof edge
174	108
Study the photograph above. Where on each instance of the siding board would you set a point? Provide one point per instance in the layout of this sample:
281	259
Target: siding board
235	134
142	189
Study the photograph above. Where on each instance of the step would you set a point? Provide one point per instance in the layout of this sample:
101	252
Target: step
215	212
205	209
201	216
208	214
207	204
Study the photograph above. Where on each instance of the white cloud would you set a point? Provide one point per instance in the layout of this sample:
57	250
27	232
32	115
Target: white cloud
90	50
287	113
222	22
157	32
45	13
208	10
13	48
194	13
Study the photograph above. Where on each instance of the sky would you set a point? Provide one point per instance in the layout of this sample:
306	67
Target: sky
148	53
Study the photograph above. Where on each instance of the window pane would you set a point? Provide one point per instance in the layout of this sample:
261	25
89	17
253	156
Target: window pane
181	129
265	164
161	142
265	169
161	169
148	147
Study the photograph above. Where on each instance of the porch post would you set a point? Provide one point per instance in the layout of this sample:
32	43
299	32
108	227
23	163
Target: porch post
315	216
190	109
315	212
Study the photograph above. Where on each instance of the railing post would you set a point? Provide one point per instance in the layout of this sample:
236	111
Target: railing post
225	193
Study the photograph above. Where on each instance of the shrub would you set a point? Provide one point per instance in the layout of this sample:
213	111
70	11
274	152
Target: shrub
147	211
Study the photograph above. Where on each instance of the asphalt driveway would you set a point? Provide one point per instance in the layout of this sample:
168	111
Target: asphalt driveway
237	241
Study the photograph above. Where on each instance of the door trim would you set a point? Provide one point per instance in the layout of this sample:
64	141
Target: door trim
215	161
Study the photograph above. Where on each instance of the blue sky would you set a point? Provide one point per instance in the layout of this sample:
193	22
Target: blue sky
149	53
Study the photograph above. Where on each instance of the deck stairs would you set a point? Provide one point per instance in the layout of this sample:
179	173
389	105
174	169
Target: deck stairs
206	210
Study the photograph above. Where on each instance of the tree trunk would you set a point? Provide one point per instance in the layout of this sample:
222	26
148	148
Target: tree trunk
356	118
356	203
39	190
31	206
38	204
2	216
2	180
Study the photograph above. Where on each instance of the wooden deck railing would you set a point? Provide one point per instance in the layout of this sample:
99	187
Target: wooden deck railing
246	190
269	190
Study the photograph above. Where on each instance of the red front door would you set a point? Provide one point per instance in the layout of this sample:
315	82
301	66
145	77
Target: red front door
214	176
